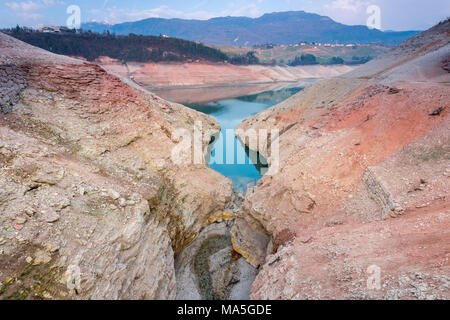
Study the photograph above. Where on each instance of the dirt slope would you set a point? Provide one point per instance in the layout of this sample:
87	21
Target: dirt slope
91	205
363	183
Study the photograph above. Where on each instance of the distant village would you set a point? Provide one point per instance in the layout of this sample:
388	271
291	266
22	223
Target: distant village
315	45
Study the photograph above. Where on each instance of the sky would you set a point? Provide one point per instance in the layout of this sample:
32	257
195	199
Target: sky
396	15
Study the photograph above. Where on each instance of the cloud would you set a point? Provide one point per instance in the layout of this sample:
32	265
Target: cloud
27	10
23	6
250	10
114	14
117	15
32	16
31	5
349	5
348	11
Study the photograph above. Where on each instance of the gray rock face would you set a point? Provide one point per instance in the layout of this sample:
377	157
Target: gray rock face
232	276
209	268
12	82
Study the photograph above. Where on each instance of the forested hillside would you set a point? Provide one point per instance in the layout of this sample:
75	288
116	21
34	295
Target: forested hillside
137	48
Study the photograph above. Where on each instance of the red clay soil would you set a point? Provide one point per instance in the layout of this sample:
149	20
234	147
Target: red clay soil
363	180
334	263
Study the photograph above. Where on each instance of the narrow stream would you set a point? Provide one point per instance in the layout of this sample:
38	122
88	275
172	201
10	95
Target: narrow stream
227	150
209	268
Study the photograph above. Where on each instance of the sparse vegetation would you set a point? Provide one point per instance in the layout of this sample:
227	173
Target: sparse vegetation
336	60
245	59
359	60
269	54
33	281
304	60
436	153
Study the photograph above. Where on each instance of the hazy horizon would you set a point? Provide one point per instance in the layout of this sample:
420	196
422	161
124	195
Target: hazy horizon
397	15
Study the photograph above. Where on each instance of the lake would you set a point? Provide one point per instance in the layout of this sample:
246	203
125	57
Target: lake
228	155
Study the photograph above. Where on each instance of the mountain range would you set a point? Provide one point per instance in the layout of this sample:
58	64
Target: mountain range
276	28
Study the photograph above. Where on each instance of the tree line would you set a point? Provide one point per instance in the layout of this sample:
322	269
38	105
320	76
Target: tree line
138	48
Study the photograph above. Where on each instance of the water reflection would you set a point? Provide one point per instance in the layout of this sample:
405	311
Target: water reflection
270	97
228	155
202	95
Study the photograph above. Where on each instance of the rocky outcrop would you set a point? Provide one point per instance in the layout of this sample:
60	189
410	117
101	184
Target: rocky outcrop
358	207
251	243
93	206
11	83
210	269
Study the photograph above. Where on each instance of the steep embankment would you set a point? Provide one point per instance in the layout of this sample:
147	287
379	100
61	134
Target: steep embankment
91	204
157	75
362	188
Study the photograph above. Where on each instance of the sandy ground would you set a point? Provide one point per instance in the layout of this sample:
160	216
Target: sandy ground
163	75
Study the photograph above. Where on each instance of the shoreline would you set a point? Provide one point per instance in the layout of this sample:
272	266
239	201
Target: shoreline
171	76
204	94
228	85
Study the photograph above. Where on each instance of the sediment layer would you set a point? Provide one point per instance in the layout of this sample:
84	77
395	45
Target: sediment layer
161	75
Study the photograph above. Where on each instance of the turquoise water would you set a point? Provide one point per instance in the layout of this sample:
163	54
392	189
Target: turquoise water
228	155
